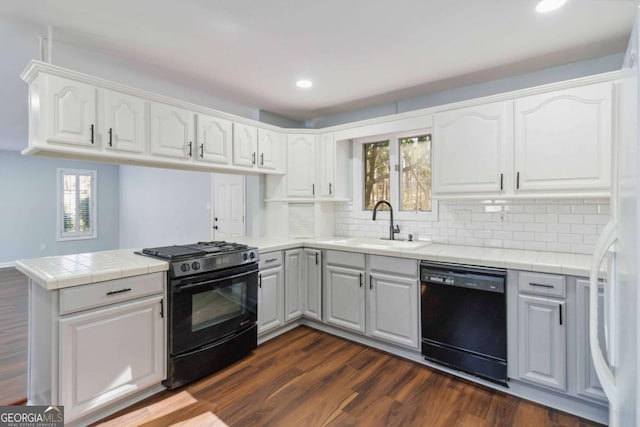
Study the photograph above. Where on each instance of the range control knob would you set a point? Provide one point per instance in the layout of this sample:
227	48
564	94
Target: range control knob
195	265
245	256
184	267
252	255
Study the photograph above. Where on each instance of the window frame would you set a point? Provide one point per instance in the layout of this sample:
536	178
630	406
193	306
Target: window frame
394	176
61	235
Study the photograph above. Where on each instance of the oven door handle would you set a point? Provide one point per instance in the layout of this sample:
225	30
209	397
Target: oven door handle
181	288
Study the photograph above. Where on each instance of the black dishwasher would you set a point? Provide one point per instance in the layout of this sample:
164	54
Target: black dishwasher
464	318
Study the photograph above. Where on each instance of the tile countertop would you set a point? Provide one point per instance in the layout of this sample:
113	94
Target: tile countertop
72	270
63	271
543	262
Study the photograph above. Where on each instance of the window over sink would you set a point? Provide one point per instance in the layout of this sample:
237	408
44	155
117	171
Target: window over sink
397	168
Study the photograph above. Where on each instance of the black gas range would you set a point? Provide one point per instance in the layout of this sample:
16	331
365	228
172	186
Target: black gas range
212	306
203	257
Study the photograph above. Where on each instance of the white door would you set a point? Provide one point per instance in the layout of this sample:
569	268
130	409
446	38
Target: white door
72	112
542	343
271	149
393	309
171	132
214	139
563	139
228	206
245	145
109	353
345	298
301	165
471	149
293	284
124	122
326	165
313	283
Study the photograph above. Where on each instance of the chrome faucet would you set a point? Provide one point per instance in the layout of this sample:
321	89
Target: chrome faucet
392	230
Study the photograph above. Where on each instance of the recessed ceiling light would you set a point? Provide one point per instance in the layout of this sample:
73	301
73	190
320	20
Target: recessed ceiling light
545	6
304	84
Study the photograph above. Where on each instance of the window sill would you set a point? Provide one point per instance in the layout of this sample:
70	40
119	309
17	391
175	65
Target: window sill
72	238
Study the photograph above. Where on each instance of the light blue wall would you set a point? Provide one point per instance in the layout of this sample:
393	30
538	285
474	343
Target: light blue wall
163	207
277	120
28	207
493	87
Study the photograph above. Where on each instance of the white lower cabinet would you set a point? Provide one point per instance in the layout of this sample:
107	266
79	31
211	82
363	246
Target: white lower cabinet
381	301
393	309
312	284
108	353
270	293
96	345
293	284
542	349
345	292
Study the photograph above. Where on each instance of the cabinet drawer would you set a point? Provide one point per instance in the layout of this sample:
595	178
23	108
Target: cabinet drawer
542	284
400	266
270	259
98	294
347	259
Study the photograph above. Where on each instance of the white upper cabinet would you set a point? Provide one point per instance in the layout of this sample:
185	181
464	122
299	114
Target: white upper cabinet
471	149
270	149
124	122
72	112
301	165
326	165
245	145
172	131
215	137
563	140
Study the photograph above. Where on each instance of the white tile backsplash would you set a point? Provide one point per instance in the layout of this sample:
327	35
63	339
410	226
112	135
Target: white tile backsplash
557	225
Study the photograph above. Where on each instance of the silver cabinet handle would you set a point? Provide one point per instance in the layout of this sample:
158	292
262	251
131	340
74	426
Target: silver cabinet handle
121	291
542	285
271	260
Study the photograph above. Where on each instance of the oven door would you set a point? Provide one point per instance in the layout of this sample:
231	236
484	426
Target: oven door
208	307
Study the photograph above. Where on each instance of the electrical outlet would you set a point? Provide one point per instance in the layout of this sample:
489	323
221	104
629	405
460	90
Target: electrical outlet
43	246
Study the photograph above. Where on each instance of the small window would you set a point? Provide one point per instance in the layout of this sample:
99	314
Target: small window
415	173
76	204
376	173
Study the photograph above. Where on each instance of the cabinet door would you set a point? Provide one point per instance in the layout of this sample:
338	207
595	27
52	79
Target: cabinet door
171	131
313	288
563	139
393	309
270	299
124	122
542	349
345	298
270	149
72	112
109	353
588	384
214	139
471	149
293	284
245	143
301	165
326	165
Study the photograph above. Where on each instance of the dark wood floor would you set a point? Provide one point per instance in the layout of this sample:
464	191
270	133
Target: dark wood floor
309	378
13	336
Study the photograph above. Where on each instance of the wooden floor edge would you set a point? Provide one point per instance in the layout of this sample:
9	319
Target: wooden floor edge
20	402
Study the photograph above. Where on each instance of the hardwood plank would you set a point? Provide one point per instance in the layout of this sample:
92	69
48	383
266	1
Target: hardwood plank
308	378
147	413
14	291
203	420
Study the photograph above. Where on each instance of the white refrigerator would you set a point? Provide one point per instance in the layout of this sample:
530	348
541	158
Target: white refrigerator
616	350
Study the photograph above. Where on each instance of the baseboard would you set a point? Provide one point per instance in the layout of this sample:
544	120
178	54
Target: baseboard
7	264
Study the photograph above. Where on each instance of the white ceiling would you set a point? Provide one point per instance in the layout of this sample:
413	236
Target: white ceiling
357	52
